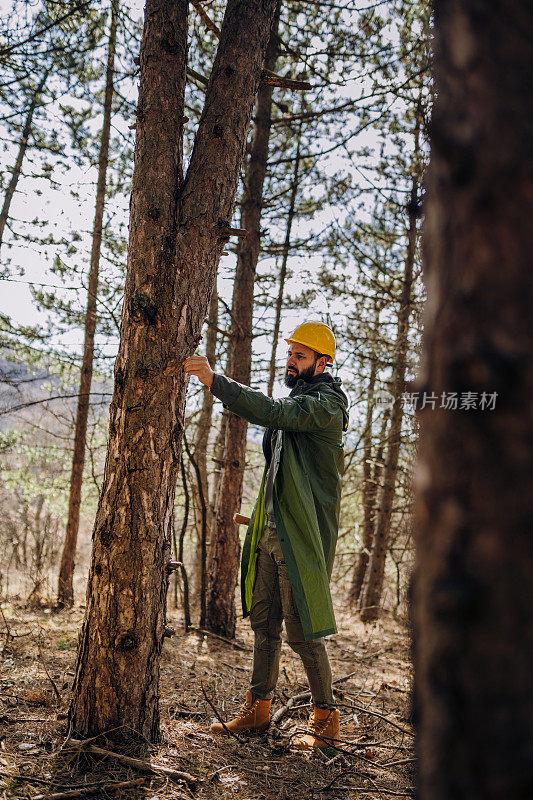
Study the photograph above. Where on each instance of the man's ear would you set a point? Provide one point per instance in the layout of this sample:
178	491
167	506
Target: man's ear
321	365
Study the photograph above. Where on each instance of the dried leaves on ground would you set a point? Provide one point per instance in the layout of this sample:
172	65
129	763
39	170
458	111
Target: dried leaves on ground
372	678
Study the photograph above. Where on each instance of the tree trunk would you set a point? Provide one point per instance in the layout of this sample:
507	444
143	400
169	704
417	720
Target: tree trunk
283	270
203	503
369	494
221	614
219	461
473	604
377	484
23	146
200	450
177	233
180	555
65	591
371	598
371	475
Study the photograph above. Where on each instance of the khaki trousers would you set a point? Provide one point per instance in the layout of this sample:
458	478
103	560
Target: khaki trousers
273	603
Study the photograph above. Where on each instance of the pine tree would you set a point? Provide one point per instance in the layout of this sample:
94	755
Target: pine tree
370	601
177	233
221	613
40	57
65	592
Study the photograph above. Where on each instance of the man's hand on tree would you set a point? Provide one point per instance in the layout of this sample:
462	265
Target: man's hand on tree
199	366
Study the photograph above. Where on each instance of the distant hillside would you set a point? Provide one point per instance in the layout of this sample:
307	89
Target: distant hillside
22	384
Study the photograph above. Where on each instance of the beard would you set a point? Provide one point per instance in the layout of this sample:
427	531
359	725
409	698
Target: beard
291	378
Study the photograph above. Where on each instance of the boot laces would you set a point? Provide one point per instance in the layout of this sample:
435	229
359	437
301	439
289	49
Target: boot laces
245	710
316	727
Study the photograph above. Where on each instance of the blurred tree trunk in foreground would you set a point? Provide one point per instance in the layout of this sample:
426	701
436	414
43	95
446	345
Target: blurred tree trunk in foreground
473	598
178	228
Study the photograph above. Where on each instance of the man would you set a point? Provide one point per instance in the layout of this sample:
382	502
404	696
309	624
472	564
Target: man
290	543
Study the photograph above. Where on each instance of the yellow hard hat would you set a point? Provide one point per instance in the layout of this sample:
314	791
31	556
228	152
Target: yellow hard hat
316	335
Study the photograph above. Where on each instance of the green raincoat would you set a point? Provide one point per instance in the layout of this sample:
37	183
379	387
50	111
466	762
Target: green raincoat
307	489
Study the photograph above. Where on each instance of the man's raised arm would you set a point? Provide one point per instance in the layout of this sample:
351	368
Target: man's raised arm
302	413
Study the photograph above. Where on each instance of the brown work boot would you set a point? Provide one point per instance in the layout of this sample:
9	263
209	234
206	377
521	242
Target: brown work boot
253	716
323	730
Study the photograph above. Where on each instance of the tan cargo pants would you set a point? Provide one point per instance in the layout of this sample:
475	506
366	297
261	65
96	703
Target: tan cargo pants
273	603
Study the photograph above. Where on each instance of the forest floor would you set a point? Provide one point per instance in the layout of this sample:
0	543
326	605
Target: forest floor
371	669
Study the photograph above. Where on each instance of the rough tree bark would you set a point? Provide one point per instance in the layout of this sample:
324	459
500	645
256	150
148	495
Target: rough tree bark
206	414
376	481
473	604
223	574
200	449
177	233
368	493
23	146
373	586
219	461
65	591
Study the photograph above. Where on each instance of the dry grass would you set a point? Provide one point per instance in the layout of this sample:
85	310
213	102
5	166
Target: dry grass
376	761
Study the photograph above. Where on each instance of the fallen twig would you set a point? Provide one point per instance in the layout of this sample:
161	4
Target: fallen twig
84	792
27	778
10	636
228	731
136	763
363	790
327	786
398	689
184	712
380	790
22	701
344	678
280	713
236	645
331	761
367	776
54	687
400	763
364	710
26	721
350	755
